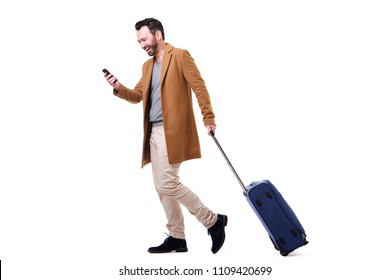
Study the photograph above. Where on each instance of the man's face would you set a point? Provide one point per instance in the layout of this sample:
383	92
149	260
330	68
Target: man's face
147	40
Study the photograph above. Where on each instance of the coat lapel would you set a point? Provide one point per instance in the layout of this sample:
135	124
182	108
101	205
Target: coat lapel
166	61
148	79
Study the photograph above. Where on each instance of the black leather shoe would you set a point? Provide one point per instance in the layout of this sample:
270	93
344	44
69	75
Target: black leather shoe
170	244
217	233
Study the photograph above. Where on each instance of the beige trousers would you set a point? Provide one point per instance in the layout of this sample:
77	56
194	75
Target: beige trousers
171	191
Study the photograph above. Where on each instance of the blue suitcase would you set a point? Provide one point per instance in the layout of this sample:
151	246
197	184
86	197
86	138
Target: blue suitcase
277	217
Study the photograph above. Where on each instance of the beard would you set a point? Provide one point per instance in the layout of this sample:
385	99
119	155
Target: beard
153	50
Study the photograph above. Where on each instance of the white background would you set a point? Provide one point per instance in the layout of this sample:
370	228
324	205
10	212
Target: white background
299	90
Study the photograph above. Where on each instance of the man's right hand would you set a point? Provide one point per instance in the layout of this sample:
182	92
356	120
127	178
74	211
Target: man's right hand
113	81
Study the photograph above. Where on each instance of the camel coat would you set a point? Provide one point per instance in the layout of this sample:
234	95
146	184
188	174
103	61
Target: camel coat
179	77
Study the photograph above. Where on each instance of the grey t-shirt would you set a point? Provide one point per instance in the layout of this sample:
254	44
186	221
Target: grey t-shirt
155	114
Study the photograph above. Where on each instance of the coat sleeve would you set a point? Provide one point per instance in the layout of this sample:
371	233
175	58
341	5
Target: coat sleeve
198	86
131	95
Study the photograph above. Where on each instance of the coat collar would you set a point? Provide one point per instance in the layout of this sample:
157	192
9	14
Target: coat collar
165	63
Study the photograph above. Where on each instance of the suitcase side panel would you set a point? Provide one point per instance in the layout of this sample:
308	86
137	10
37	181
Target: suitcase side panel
277	217
285	207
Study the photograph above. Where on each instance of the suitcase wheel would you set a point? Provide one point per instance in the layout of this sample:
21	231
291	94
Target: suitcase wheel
283	253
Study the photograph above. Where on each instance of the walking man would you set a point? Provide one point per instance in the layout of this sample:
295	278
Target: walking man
170	133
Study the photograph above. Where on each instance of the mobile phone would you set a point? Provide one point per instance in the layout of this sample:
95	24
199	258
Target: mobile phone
107	73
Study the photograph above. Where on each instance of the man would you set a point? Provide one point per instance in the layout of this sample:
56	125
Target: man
170	134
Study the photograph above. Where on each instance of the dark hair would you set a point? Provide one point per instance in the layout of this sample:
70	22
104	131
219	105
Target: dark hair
152	24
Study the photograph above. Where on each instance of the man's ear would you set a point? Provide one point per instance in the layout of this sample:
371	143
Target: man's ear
158	35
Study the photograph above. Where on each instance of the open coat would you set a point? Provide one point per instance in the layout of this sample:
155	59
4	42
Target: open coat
179	77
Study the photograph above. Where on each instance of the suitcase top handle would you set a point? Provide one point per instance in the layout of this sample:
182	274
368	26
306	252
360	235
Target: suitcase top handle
230	165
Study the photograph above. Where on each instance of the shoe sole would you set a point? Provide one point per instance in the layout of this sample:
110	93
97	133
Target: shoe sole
179	250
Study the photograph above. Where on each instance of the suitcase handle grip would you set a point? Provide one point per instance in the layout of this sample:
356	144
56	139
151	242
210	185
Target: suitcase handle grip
229	163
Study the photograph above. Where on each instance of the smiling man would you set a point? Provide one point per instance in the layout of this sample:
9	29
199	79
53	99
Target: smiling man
170	135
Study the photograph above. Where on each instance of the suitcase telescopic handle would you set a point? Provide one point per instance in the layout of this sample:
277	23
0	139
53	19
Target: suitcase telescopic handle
229	163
